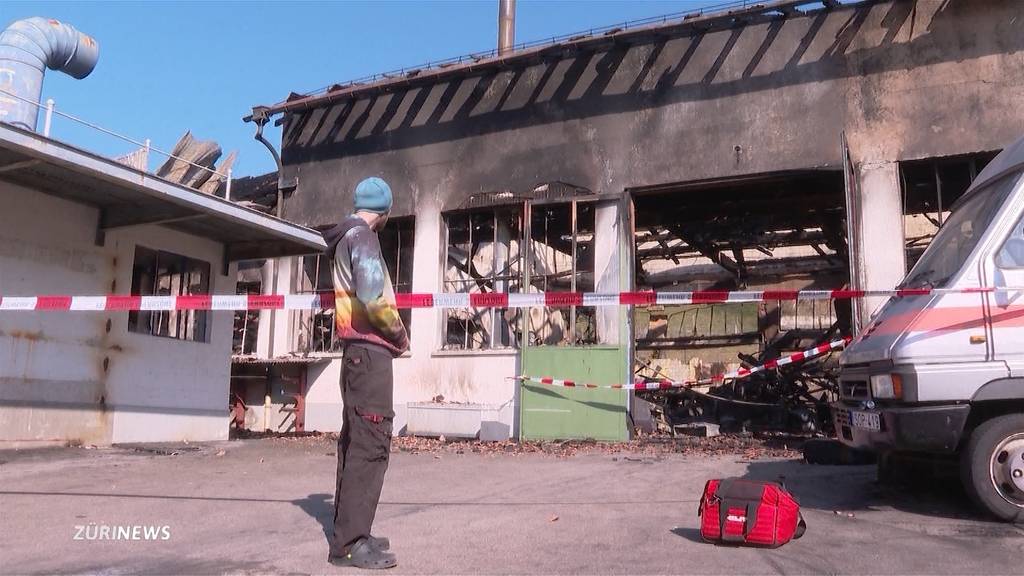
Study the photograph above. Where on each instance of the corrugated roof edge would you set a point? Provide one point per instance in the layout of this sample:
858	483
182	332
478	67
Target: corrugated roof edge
475	62
62	154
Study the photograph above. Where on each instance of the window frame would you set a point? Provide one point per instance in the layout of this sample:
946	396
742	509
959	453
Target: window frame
144	321
985	194
570	341
940	168
243	319
525	211
1016	232
406	224
518	211
302	318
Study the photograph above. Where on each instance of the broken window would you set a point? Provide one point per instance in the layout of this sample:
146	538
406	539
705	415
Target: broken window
250	281
396	247
315	328
737	234
482	255
930	187
158	273
562	260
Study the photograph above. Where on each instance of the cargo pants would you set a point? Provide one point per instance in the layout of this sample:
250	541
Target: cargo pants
364	446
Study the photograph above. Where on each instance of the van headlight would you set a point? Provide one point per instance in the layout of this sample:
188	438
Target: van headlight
887	387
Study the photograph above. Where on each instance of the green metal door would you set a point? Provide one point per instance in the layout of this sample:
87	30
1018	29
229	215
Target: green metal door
576	246
557	413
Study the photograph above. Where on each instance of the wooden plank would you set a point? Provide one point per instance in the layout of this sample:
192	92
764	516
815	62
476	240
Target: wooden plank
193	155
702	325
698	341
750	318
216	181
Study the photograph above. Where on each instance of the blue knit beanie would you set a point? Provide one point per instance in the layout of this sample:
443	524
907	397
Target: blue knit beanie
373	195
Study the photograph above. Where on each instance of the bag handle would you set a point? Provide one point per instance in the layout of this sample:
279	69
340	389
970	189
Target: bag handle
750	510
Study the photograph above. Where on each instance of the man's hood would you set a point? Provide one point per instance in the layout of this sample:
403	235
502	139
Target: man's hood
334	234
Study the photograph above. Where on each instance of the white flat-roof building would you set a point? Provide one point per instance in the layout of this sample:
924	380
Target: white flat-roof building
74	223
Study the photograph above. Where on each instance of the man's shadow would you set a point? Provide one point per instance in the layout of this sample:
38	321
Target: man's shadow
321	507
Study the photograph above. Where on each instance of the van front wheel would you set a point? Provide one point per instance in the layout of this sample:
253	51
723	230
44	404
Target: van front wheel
993	467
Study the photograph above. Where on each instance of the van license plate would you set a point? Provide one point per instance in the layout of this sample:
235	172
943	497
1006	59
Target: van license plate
867	420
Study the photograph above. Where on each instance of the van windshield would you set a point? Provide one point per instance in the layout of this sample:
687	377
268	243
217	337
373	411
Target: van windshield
958	235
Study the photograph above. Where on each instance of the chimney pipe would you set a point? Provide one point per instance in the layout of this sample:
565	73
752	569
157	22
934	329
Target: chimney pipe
506	26
27	48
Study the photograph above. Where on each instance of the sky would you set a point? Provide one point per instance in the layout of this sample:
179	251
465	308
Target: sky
168	67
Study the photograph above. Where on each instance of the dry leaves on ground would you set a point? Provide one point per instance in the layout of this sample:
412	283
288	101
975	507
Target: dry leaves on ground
747	446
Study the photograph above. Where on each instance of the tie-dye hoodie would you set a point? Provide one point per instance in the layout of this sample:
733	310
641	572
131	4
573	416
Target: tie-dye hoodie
364	297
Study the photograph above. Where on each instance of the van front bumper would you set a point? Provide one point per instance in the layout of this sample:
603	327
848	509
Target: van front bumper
930	428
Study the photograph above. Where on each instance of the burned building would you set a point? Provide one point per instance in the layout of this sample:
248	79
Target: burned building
788	145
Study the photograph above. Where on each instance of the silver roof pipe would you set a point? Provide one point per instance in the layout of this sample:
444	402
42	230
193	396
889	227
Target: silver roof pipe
27	48
506	26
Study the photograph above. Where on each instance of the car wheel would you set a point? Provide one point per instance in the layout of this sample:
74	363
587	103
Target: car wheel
993	467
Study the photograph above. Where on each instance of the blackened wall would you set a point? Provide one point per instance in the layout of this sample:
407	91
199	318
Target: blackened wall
903	79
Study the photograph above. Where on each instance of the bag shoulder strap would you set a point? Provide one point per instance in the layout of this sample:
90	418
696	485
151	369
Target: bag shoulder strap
801	526
703	498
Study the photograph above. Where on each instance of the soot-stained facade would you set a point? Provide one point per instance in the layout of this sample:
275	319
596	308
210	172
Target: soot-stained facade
791	145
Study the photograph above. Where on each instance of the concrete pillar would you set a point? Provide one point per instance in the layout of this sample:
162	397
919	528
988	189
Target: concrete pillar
428	252
606	268
282	342
274	337
263	335
881	259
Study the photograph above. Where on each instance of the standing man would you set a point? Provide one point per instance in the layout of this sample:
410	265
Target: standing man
372	334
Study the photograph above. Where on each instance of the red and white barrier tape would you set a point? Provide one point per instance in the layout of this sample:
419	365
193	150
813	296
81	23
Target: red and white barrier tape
670	384
325	300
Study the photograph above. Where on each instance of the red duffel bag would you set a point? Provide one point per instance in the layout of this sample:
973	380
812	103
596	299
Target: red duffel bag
749	513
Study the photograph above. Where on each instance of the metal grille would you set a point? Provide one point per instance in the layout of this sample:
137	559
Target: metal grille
842	417
854	389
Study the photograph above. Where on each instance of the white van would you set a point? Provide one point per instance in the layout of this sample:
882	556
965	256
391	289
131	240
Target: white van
943	373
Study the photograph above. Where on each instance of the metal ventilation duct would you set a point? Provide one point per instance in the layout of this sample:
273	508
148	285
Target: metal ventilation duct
27	48
506	26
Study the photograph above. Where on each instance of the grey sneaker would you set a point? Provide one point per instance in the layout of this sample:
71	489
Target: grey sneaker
362	554
381	544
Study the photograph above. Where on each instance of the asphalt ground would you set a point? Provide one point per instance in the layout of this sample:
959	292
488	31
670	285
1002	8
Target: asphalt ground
264	507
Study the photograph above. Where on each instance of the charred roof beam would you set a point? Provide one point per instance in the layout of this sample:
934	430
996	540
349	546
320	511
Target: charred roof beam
709	251
465	66
665	250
